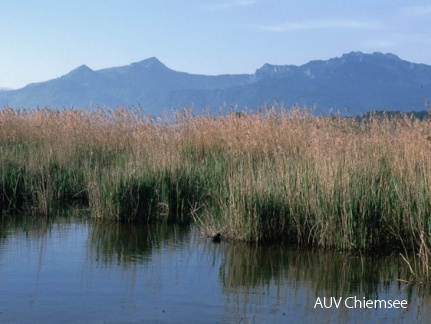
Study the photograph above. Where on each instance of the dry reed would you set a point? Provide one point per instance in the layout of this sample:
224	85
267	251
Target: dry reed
278	175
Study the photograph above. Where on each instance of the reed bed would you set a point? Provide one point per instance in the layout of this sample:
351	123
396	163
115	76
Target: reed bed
280	175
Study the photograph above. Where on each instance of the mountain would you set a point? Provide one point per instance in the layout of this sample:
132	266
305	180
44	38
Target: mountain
355	82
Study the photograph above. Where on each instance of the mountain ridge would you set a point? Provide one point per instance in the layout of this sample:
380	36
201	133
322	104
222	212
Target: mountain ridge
362	82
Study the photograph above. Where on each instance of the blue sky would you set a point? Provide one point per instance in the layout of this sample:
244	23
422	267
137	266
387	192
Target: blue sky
45	39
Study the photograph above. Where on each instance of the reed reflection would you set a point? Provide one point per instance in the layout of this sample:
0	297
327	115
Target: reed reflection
130	244
286	281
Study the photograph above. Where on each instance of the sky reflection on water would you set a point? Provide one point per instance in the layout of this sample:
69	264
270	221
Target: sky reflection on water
74	270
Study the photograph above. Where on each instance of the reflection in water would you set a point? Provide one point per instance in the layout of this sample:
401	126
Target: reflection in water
325	272
294	280
161	273
129	244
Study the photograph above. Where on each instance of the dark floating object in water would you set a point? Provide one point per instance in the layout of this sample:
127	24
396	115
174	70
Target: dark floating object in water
217	238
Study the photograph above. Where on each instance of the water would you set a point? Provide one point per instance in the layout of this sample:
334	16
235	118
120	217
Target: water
73	270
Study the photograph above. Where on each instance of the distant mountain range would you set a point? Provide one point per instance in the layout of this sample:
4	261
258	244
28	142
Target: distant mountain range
355	82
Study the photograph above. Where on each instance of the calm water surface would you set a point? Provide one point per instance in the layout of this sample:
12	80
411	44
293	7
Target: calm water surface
72	270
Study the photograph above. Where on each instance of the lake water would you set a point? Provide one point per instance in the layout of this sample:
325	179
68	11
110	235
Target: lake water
74	270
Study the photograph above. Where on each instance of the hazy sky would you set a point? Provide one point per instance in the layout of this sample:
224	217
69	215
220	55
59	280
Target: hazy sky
44	39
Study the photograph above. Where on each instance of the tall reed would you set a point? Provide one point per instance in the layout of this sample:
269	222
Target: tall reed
278	175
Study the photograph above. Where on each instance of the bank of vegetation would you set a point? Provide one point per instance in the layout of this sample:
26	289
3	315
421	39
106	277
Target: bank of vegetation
278	175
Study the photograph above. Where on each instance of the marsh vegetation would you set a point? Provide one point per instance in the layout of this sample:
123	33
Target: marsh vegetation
278	175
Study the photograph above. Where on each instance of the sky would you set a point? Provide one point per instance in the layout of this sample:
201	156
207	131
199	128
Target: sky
44	39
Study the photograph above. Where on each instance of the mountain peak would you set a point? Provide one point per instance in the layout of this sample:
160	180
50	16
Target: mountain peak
150	63
83	75
353	54
386	55
359	56
270	70
81	69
